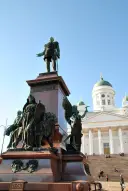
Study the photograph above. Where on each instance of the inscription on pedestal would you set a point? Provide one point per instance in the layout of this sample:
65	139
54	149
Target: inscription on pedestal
17	186
43	88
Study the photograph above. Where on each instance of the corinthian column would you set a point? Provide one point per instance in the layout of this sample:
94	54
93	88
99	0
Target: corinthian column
83	144
121	140
111	141
99	141
90	142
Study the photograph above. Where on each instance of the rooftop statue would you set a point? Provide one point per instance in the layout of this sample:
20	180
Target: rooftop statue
51	53
74	119
34	126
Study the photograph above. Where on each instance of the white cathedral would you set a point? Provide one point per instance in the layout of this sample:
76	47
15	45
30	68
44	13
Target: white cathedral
105	129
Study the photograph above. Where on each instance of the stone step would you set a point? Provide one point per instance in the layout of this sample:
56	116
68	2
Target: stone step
111	186
97	163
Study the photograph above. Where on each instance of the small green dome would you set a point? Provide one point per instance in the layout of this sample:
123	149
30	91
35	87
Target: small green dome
81	103
126	98
102	82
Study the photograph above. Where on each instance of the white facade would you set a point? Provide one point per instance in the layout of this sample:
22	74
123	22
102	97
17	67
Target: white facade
103	98
105	130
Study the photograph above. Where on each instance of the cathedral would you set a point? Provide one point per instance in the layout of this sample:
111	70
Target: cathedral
105	129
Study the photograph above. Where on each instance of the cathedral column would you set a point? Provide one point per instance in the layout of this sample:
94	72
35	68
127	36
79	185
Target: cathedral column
111	141
83	144
90	142
121	140
99	141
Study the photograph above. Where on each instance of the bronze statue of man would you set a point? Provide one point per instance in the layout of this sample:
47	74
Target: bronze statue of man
51	53
15	131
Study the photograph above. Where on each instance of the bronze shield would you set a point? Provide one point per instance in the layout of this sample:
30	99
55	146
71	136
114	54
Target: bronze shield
40	110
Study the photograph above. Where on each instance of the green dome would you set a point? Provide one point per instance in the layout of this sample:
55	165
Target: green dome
102	82
81	103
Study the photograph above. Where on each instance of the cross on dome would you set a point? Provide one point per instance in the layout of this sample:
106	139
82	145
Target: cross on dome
101	76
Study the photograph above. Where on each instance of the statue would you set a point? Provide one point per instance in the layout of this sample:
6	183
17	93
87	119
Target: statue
28	123
51	53
38	125
74	119
33	127
15	131
48	129
24	128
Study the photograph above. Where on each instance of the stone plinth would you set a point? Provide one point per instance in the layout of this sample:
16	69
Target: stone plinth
63	186
54	172
50	89
47	171
73	168
51	167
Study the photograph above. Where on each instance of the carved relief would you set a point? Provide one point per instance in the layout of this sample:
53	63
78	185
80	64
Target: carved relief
30	166
16	166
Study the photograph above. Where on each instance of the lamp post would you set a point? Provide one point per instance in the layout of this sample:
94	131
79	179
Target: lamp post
5	127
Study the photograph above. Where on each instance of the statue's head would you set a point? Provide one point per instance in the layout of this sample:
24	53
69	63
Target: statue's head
51	39
31	99
19	113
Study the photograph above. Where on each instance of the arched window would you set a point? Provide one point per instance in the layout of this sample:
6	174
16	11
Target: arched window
103	101
109	102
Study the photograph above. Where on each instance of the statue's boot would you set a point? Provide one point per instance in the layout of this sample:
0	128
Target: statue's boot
48	66
27	147
54	65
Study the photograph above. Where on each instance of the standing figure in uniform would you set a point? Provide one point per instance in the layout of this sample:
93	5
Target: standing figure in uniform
51	53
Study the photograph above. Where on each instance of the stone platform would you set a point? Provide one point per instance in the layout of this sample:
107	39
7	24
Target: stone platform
63	186
47	171
51	167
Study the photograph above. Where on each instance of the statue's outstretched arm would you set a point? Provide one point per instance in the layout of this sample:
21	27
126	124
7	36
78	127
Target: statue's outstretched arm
40	54
86	110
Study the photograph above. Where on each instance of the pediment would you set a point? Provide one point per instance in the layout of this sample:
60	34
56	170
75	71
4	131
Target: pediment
105	117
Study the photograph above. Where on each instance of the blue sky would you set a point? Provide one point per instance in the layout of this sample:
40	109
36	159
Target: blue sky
93	37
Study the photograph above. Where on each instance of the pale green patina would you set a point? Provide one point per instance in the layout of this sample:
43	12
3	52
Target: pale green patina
103	82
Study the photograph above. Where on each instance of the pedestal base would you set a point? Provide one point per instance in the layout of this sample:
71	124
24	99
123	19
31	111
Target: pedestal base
73	168
64	186
54	172
47	170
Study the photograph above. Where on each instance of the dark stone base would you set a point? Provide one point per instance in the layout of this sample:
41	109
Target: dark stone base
70	150
48	73
52	150
29	149
47	169
27	186
50	168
